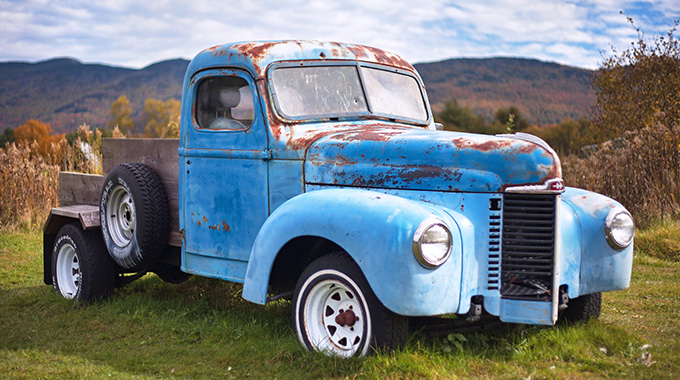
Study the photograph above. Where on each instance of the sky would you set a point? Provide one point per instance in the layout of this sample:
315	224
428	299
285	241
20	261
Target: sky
135	34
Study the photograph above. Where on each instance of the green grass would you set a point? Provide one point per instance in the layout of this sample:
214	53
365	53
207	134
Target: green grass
662	240
203	329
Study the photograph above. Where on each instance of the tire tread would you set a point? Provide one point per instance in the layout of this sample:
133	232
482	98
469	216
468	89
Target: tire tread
153	215
583	308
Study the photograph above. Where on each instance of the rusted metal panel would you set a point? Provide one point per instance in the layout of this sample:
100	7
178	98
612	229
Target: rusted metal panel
405	158
256	56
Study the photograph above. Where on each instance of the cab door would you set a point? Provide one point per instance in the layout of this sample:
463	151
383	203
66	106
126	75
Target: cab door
223	174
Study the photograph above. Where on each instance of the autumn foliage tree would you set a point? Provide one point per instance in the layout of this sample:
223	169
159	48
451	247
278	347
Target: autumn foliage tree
120	115
162	118
41	133
639	87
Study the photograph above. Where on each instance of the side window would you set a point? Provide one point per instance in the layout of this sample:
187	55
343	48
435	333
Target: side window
224	102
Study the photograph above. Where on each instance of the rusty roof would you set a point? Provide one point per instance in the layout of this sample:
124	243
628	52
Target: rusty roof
256	56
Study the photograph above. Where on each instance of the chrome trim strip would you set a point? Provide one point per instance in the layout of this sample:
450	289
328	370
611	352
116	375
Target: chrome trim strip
556	261
545	188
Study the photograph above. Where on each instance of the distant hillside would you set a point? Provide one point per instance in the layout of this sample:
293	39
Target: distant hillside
67	93
545	93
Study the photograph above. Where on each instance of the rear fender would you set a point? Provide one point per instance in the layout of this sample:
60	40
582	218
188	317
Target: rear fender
87	215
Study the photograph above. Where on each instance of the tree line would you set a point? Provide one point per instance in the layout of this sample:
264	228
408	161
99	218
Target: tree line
159	119
566	138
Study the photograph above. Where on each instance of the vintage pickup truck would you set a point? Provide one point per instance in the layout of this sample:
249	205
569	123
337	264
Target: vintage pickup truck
314	171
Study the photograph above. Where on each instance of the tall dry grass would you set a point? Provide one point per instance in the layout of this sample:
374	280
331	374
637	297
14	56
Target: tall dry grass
84	154
642	171
28	186
29	178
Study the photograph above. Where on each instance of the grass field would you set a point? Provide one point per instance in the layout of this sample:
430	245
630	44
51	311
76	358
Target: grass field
203	329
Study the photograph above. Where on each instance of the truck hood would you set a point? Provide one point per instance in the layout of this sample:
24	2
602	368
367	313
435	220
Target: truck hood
416	159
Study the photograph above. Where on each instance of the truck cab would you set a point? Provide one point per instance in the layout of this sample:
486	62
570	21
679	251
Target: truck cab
314	171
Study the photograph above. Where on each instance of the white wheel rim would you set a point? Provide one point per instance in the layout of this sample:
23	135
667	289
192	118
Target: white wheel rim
68	271
121	216
325	302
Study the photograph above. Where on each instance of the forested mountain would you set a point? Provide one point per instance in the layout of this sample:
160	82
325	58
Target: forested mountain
545	93
66	93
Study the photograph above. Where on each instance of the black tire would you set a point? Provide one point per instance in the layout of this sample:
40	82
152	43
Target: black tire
583	308
331	300
170	273
81	268
135	216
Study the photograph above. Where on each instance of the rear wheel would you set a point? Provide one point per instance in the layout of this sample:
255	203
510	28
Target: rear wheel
336	312
81	268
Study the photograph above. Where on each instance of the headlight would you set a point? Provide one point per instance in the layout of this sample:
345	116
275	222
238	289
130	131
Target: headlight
620	228
432	243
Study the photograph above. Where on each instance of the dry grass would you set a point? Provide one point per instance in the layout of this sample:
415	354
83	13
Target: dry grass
642	171
28	187
29	178
84	155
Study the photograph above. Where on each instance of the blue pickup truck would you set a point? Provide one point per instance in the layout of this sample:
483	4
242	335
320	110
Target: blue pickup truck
314	171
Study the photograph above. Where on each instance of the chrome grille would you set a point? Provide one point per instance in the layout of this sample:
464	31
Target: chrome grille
528	245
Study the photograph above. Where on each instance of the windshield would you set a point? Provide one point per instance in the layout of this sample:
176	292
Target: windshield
314	92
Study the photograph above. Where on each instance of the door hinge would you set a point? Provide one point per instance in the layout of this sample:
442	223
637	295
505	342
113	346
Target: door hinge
266	155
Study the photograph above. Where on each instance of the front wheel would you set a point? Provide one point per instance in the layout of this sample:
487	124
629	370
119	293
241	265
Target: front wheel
583	308
336	312
81	268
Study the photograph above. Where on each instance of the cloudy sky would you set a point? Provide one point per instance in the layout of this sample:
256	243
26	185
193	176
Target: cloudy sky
134	33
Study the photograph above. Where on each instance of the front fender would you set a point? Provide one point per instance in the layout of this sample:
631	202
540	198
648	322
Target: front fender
602	268
376	230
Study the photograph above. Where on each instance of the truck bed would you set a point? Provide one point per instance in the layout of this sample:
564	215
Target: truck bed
79	194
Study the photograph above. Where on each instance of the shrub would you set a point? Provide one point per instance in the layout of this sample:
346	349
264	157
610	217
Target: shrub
642	171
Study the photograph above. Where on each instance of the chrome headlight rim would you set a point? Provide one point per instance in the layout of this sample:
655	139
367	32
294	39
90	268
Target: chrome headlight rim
609	229
418	253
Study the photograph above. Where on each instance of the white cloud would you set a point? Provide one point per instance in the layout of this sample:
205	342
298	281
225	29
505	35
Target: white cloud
133	33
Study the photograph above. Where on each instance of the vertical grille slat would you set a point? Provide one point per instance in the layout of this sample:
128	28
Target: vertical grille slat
494	257
528	244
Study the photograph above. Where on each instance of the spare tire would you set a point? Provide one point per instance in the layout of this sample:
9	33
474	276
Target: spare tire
135	216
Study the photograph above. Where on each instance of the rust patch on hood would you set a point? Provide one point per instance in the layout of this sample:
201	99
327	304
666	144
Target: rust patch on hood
495	144
373	134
